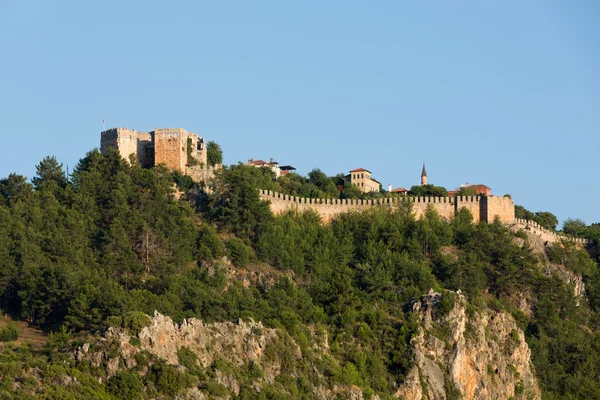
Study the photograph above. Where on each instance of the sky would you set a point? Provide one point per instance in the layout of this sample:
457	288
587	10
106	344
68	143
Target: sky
505	94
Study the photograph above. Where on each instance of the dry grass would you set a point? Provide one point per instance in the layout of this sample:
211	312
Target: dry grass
26	333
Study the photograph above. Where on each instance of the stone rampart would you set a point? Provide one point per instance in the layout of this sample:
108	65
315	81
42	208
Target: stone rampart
501	207
445	206
123	139
483	209
473	204
546	234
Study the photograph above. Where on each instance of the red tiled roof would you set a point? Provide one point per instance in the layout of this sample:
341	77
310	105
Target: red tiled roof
360	170
479	186
399	190
257	162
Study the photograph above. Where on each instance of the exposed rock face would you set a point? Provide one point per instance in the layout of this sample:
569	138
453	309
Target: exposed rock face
567	276
484	356
540	247
237	343
240	343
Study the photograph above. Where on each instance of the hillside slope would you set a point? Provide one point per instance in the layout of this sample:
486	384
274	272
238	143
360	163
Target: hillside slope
252	305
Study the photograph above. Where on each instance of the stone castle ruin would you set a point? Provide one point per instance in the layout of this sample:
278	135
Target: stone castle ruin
176	148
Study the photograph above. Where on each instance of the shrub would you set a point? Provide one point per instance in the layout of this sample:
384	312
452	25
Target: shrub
126	385
168	379
446	303
9	333
189	360
183	182
239	252
135	321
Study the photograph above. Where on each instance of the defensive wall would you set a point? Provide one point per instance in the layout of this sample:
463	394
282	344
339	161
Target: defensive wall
547	235
482	208
129	142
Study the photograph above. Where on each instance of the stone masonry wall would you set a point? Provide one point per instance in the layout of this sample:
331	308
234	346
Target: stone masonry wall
503	207
170	148
445	206
473	204
123	139
545	234
167	146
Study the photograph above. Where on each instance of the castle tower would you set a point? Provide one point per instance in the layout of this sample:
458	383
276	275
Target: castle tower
424	176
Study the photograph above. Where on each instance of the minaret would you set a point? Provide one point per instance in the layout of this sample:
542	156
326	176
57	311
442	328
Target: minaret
424	176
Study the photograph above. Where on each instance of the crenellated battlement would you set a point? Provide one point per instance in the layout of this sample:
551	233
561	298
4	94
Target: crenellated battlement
546	234
482	208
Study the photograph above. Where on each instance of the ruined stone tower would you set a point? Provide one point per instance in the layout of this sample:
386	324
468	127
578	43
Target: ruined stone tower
176	148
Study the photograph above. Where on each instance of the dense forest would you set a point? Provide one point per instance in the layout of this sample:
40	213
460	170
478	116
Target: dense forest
112	241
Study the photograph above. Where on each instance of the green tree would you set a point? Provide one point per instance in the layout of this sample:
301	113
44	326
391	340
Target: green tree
574	227
235	202
428	190
466	191
126	385
351	191
49	169
214	154
546	219
13	188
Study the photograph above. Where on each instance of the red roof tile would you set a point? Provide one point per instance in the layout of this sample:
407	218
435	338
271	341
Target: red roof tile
360	170
257	162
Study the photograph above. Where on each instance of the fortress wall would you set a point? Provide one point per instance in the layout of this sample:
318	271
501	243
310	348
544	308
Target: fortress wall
202	173
123	139
473	204
170	148
198	147
145	149
502	207
326	208
330	208
548	235
443	205
482	208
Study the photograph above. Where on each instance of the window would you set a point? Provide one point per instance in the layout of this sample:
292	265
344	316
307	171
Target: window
362	176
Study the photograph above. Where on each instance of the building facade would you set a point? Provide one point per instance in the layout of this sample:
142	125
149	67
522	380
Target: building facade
362	179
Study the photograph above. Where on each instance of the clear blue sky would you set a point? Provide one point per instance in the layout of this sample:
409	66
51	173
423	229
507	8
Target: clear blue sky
501	93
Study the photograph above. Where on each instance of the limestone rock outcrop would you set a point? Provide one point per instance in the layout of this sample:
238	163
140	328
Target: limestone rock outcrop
478	356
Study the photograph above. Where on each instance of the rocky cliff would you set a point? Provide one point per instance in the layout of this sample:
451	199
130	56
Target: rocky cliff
477	355
222	351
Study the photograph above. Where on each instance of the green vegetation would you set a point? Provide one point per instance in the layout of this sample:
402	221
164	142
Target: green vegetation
428	191
543	218
214	154
111	244
191	160
9	333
